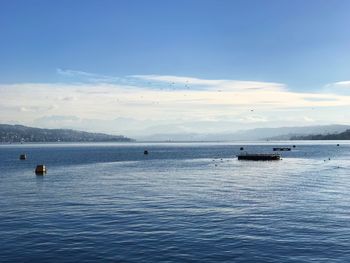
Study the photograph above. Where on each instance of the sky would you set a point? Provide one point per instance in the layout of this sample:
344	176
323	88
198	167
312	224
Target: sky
142	67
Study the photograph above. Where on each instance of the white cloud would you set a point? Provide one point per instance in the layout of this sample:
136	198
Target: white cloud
79	75
341	84
253	119
209	84
179	80
308	119
242	101
340	87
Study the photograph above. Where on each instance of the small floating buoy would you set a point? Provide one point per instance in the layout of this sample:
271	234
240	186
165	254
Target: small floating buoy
23	157
338	144
241	148
145	152
40	169
294	146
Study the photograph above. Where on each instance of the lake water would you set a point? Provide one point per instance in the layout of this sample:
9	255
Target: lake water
191	202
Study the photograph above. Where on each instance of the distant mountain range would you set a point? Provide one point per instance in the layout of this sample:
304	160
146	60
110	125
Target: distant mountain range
338	136
281	133
20	133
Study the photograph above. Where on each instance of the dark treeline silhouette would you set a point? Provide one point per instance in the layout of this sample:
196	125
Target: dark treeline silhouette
20	133
338	136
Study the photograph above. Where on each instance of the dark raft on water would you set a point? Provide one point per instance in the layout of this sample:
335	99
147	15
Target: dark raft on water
23	157
259	157
281	149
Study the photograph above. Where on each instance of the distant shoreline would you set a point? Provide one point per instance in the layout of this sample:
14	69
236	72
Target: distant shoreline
23	134
233	143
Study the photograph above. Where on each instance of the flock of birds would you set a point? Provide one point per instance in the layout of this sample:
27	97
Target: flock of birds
172	86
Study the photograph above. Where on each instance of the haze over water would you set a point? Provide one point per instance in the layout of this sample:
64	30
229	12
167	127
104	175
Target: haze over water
192	202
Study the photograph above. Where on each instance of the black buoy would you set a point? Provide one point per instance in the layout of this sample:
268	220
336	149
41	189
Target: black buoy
40	169
338	144
294	146
145	152
23	157
241	148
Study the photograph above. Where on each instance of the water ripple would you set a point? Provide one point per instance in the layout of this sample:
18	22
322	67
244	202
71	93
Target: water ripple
182	203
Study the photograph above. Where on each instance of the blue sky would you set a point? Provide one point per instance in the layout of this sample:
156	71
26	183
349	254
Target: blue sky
299	46
304	44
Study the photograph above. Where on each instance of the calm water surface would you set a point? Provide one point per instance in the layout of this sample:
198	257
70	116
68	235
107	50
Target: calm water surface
191	202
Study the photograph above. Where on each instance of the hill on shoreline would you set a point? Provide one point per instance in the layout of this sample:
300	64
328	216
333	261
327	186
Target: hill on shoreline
337	136
20	133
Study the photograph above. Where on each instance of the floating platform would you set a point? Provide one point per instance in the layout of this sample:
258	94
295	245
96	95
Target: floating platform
40	169
23	157
259	157
281	149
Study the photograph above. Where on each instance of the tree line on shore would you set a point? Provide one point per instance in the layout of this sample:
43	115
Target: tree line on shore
20	133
